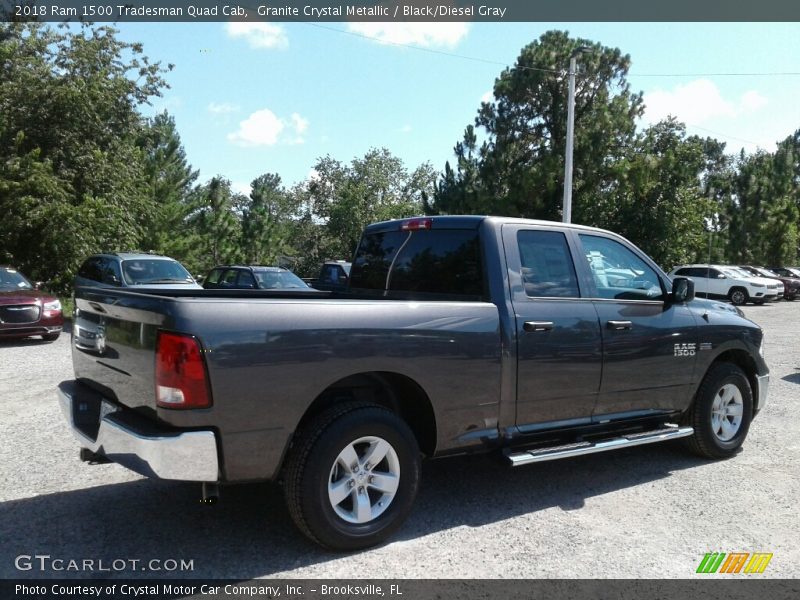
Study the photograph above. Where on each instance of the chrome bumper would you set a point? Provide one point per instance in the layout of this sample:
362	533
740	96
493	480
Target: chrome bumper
185	456
763	390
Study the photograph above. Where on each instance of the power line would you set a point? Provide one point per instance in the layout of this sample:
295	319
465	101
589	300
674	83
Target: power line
431	50
732	137
540	69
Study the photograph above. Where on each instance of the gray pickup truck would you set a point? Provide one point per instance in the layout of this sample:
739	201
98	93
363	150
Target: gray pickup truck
530	339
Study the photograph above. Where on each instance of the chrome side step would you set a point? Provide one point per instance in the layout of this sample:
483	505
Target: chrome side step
580	448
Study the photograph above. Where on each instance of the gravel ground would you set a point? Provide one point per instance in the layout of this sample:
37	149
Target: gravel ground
648	512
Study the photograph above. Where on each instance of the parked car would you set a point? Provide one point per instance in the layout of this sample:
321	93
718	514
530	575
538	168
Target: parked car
775	287
333	275
457	335
253	277
786	272
134	270
25	310
791	285
722	282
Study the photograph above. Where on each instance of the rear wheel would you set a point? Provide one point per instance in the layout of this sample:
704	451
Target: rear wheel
721	412
738	296
351	476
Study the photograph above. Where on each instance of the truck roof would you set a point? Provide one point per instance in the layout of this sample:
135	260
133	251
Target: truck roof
473	222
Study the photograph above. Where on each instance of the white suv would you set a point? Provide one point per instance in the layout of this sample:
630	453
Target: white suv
720	281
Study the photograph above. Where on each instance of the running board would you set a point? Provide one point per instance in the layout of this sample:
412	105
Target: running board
578	449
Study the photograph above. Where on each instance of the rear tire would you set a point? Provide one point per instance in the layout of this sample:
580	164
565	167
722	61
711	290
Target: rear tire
721	413
339	494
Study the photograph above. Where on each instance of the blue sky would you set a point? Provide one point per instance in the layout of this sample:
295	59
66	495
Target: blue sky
256	98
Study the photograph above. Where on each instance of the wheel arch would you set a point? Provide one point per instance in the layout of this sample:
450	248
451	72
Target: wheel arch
395	391
742	359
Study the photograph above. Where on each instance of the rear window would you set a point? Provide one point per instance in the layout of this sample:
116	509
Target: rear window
144	271
438	262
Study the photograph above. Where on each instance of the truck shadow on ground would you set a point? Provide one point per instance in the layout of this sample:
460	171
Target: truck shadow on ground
249	533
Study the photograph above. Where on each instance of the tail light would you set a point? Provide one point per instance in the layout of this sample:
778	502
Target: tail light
416	224
181	378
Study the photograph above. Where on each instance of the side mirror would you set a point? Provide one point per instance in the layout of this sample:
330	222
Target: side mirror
682	289
37	285
720	276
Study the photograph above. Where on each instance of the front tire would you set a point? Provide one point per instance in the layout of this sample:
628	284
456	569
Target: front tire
738	296
721	412
351	476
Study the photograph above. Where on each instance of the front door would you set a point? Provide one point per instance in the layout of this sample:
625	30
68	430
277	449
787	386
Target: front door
649	343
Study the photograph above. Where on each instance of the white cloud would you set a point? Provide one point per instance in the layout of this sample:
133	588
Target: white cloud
262	128
265	128
240	187
222	108
446	35
299	123
488	96
753	100
313	174
697	102
258	35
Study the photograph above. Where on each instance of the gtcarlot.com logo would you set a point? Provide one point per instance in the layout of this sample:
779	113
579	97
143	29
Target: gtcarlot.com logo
45	562
734	562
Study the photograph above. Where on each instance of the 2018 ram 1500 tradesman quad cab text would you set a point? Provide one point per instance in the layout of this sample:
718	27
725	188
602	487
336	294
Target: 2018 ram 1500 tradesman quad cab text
537	340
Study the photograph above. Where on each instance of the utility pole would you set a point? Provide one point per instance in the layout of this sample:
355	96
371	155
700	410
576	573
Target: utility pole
567	207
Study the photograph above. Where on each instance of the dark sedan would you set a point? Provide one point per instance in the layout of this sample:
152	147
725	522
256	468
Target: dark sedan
26	311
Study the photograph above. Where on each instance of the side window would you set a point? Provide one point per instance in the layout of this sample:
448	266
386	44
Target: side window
213	277
91	269
685	272
229	279
547	268
618	273
714	274
246	280
110	272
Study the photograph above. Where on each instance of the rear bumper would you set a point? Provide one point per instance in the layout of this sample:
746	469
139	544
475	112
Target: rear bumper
125	437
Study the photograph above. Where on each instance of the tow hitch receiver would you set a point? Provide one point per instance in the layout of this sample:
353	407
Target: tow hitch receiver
93	458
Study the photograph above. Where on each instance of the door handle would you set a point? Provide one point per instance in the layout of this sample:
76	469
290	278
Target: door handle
620	325
538	325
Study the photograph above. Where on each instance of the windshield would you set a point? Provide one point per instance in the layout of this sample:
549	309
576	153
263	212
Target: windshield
733	272
12	280
764	272
270	280
143	271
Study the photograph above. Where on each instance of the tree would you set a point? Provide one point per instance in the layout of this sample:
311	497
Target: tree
169	178
266	221
71	172
215	227
518	170
655	198
340	200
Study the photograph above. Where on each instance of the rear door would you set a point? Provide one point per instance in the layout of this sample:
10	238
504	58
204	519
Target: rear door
649	343
559	343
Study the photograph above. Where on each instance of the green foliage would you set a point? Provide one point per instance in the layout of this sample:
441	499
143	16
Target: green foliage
266	221
214	227
340	200
169	184
518	170
655	199
71	173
